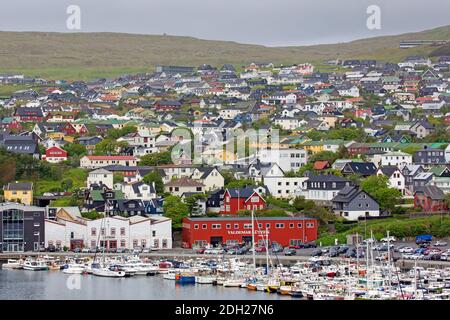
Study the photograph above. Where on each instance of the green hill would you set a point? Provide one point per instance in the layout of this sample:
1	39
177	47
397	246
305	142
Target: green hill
92	55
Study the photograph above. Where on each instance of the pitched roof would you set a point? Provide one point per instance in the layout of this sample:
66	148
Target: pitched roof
388	170
19	186
321	165
431	191
184	182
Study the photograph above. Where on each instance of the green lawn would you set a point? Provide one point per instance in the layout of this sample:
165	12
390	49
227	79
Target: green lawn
399	227
77	175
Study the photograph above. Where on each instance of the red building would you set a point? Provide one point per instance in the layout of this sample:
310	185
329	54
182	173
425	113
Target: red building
430	199
68	129
235	200
237	230
55	155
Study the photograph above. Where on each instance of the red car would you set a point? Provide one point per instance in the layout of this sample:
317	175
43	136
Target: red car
260	249
200	251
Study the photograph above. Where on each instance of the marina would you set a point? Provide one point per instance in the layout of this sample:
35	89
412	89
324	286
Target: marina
134	277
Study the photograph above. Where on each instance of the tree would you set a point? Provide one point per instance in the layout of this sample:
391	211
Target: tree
240	183
66	184
324	155
378	188
110	147
114	134
155	177
193	203
176	210
75	149
156	159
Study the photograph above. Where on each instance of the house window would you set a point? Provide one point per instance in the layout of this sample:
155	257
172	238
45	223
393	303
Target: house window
143	243
135	243
156	243
216	226
279	225
199	188
154	233
113	232
299	225
228	226
291	225
122	243
93	244
255	199
236	226
247	225
204	226
164	243
196	226
122	231
310	225
103	231
93	232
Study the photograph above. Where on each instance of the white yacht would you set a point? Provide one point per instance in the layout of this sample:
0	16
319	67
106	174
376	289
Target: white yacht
108	272
35	265
13	264
74	268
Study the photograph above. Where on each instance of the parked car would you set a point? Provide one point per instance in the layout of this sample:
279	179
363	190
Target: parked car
120	250
51	248
77	250
388	239
146	250
445	255
277	249
317	253
85	250
200	251
343	249
260	249
290	252
406	250
214	251
93	250
242	250
137	250
325	249
440	243
311	244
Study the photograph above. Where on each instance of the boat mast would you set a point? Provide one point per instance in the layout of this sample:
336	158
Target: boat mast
267	251
253	240
389	259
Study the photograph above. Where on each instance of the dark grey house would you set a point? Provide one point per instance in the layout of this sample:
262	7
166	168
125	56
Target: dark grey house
22	227
364	169
323	188
352	202
429	156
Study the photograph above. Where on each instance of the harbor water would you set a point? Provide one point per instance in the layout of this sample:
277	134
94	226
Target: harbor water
54	285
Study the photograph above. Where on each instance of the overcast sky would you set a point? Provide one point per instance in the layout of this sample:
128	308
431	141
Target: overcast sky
267	22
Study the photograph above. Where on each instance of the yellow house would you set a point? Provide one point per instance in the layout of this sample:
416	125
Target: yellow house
313	146
21	192
56	135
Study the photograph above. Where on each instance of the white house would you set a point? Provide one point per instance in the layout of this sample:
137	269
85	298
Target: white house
138	190
210	177
101	176
396	178
397	158
280	186
288	159
229	113
287	123
95	162
110	232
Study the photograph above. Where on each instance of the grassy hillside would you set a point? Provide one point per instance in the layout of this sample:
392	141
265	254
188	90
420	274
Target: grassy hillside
91	55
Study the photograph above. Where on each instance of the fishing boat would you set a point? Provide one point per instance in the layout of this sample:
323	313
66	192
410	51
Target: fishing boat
13	264
73	269
112	272
164	266
170	275
285	290
204	280
184	279
233	282
35	265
